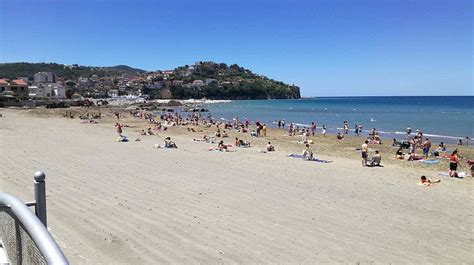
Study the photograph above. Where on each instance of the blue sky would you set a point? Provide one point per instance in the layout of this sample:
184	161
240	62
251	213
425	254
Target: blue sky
328	48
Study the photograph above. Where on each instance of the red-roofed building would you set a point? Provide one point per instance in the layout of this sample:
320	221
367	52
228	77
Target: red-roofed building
4	86
19	87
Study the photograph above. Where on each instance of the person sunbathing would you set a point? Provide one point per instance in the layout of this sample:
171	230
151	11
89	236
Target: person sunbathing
241	143
204	138
414	156
428	182
224	134
223	147
270	147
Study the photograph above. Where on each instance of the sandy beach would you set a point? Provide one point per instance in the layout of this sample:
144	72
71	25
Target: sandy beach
111	202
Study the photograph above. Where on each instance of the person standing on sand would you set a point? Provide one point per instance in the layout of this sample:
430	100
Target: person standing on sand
264	130
346	127
408	130
324	130
364	152
119	128
313	128
453	163
426	147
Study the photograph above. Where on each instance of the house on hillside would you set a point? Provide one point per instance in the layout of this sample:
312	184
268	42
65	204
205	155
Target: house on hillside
177	82
52	91
210	80
113	93
4	85
198	83
19	88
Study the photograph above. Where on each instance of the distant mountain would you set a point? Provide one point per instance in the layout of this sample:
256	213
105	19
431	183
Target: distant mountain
14	70
125	68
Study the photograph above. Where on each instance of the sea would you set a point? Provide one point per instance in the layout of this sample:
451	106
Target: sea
441	118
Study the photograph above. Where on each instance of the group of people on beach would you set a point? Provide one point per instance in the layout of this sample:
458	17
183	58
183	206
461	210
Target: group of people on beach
412	142
375	160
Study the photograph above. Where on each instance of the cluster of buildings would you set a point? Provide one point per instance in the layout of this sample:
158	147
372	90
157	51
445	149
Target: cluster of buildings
48	85
44	85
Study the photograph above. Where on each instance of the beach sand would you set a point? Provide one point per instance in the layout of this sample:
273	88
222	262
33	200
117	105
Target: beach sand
111	202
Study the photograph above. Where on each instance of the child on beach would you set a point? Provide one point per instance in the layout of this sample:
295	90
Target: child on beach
340	136
324	130
270	147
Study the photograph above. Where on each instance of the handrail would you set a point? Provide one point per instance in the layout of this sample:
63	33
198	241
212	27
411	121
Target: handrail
35	228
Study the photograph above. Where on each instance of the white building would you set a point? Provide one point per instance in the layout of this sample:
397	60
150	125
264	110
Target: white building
210	80
122	87
45	77
54	91
113	93
198	83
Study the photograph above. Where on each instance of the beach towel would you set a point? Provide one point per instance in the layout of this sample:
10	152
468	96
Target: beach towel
122	138
461	175
314	159
429	162
158	146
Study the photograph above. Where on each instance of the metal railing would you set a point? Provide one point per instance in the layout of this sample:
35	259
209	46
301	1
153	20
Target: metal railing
23	235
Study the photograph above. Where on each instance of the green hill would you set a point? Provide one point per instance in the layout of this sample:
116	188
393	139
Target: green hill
14	70
233	82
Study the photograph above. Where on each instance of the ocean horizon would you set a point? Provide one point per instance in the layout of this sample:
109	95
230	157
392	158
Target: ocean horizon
443	118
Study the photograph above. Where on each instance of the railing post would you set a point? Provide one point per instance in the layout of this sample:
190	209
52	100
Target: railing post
40	197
